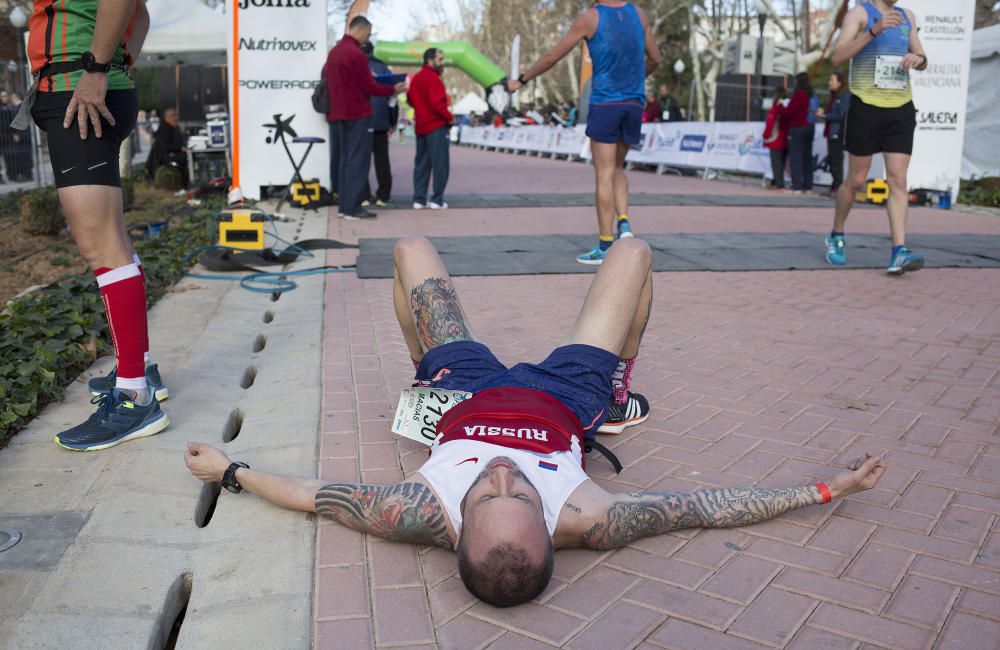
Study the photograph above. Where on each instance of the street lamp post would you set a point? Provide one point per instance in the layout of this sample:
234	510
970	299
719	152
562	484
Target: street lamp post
19	19
762	14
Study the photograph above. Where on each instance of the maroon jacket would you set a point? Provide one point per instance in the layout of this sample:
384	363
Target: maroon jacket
350	83
797	112
429	100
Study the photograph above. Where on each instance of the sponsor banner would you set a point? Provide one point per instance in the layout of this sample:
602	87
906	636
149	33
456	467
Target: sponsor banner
941	92
724	146
277	48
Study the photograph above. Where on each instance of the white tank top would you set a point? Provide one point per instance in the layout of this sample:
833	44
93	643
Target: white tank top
454	466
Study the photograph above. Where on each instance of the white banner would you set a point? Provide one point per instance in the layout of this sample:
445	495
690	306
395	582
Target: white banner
724	146
280	49
941	92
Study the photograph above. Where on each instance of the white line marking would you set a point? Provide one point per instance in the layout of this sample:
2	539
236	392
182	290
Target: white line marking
97	165
63	171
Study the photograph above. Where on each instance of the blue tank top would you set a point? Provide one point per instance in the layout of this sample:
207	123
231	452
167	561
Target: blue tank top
617	50
876	76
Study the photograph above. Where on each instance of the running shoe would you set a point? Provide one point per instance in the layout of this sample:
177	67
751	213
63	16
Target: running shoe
836	251
379	203
360	214
904	261
621	416
106	384
116	420
624	229
366	204
593	257
419	206
437	206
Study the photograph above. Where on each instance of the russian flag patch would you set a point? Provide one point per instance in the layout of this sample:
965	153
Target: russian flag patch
549	466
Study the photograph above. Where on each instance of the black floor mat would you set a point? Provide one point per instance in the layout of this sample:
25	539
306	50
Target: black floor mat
731	251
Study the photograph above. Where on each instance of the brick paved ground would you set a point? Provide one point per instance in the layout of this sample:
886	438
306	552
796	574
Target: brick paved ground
750	376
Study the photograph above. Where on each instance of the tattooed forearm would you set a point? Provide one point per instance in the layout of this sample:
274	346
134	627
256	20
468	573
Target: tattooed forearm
437	313
641	515
574	508
405	512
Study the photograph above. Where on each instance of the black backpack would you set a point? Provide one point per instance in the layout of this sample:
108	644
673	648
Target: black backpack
321	96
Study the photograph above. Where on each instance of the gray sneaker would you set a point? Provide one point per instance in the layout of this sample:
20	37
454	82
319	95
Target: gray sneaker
104	385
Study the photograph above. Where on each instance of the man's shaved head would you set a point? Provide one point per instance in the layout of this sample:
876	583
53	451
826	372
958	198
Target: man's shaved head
505	553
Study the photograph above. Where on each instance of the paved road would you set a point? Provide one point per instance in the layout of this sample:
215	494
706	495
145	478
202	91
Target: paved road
765	379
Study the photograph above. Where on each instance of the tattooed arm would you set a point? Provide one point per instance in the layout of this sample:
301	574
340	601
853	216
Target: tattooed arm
615	520
404	512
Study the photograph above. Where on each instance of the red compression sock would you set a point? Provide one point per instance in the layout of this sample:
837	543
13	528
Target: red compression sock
125	304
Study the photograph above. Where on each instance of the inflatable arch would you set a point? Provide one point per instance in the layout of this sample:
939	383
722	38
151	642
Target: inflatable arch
459	54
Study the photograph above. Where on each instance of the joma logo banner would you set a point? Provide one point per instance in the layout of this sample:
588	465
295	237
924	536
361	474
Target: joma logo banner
527	434
283	4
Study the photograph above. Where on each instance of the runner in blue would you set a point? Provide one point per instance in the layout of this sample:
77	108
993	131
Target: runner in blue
624	53
880	40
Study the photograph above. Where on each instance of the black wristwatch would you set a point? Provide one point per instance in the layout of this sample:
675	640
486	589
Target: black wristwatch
229	478
521	80
90	63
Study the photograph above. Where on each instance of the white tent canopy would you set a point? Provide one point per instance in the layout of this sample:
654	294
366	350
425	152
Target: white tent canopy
470	104
184	32
982	137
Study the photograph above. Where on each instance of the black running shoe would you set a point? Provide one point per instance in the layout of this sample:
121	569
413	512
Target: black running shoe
621	416
116	420
106	384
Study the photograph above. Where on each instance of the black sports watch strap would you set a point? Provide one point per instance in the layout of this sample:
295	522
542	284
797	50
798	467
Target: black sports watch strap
229	477
90	63
521	80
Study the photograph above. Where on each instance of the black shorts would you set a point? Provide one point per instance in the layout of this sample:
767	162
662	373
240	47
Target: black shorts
93	161
869	130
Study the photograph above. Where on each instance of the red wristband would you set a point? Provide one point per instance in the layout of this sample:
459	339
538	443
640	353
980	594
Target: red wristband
824	492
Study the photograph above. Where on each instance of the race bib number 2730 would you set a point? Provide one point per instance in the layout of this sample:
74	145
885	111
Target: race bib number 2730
420	410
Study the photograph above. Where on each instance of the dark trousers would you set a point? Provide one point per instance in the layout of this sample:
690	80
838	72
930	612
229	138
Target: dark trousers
383	168
432	157
334	158
800	156
778	159
836	158
355	160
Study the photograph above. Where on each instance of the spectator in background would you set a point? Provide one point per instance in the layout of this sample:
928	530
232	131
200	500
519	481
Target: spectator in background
571	114
433	121
835	115
350	86
653	110
670	108
169	146
800	134
814	114
23	162
6	134
385	114
776	137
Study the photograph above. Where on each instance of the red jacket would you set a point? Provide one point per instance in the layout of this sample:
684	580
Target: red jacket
429	100
776	127
798	109
350	83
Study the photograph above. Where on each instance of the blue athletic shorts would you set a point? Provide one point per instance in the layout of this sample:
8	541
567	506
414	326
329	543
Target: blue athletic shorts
577	375
613	123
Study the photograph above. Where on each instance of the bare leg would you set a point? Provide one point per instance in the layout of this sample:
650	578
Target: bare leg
623	285
94	214
896	166
621	181
605	156
424	298
857	176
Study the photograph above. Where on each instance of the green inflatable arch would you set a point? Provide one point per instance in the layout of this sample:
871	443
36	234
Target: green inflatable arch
460	54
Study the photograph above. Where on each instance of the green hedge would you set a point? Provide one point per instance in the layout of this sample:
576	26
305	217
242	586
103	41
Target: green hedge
50	336
982	191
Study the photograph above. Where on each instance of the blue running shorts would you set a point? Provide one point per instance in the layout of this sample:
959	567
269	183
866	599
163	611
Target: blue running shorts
577	375
613	123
